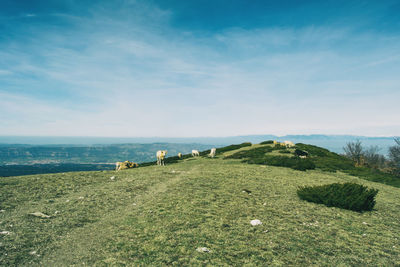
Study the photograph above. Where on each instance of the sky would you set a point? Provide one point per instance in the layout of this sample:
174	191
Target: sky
196	68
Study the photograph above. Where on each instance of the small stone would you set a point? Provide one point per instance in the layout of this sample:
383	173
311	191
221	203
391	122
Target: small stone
364	235
265	204
56	212
203	249
255	222
134	204
266	231
80	197
5	233
32	252
364	223
2	210
112	178
67	200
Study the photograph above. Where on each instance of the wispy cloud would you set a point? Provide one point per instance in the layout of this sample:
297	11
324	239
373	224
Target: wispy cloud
129	72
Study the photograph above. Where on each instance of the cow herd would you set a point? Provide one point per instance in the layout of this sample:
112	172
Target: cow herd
160	159
161	154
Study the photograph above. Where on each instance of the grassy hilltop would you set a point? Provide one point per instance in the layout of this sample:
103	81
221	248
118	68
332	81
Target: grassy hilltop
161	215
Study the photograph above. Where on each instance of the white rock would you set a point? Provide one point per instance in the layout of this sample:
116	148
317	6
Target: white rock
112	178
67	200
32	252
39	214
255	222
2	210
5	233
80	197
365	223
203	249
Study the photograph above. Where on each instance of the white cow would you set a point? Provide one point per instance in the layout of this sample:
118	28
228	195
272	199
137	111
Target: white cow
288	143
212	152
195	153
161	156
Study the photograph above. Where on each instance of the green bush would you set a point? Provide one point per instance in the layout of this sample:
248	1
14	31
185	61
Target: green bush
258	152
285	151
279	147
205	152
299	152
232	147
325	159
258	156
267	142
314	150
282	161
349	196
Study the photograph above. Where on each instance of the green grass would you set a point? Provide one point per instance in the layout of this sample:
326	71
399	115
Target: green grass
159	216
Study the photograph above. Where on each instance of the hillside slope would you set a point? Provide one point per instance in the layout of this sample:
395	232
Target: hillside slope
161	215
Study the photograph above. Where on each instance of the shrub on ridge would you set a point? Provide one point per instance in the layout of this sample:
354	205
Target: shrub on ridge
349	196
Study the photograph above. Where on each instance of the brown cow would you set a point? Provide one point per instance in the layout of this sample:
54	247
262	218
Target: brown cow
125	165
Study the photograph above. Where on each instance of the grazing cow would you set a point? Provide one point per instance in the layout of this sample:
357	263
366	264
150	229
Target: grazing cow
195	153
212	152
125	165
179	155
288	143
301	153
161	156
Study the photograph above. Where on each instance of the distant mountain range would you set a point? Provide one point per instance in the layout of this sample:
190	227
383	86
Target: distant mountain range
334	143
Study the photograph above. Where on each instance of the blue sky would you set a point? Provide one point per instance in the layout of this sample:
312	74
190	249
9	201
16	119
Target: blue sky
199	68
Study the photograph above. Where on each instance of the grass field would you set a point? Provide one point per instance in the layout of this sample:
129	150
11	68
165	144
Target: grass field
161	215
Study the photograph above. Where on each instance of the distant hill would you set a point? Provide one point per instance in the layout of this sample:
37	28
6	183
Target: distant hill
19	170
334	143
79	154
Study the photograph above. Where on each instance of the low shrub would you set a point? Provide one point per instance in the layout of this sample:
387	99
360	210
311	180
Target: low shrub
314	150
258	156
232	147
258	152
325	159
285	151
282	161
299	152
349	196
374	175
280	147
267	142
205	152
